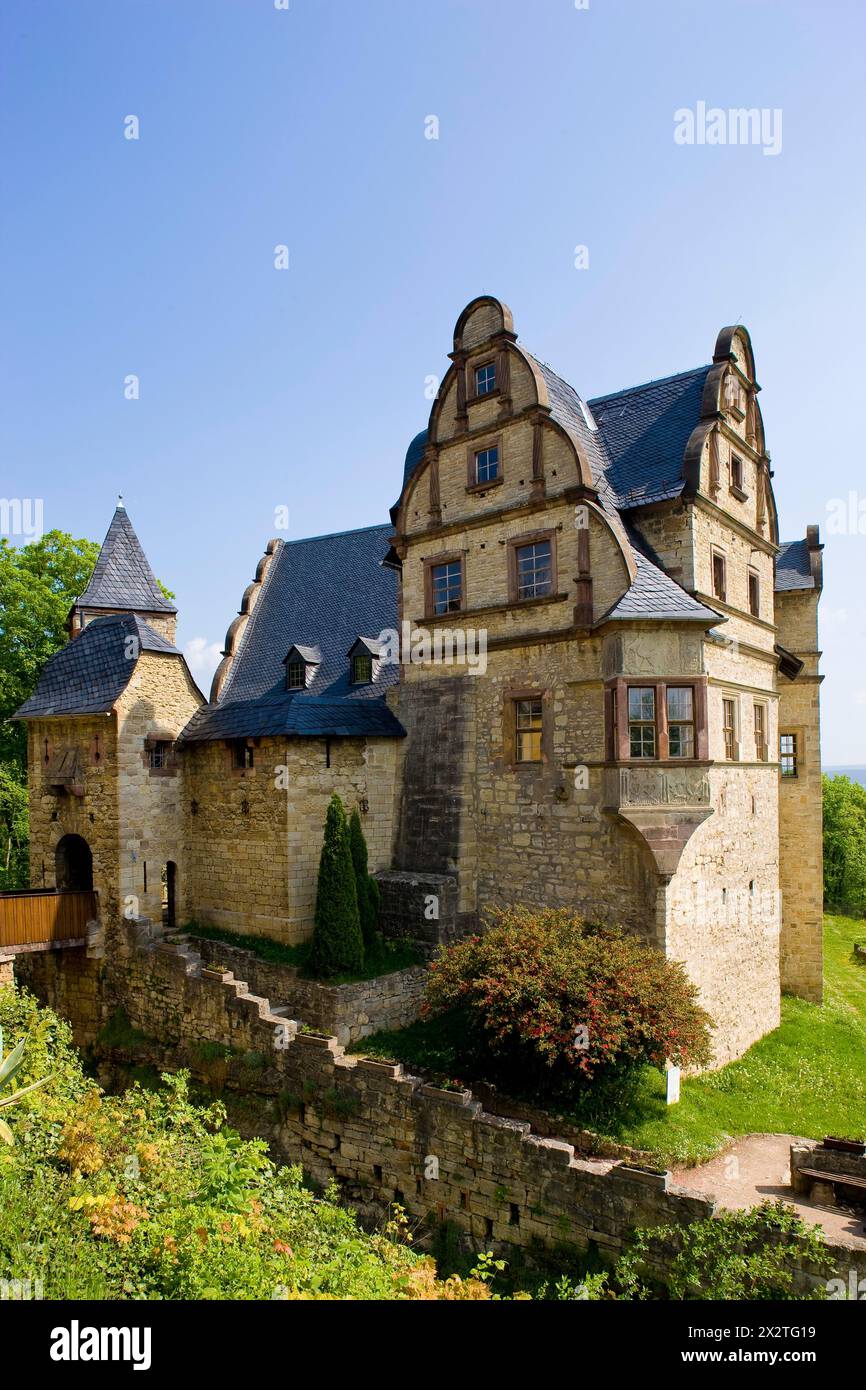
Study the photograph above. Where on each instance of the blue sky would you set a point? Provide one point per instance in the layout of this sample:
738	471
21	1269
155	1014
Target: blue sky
262	388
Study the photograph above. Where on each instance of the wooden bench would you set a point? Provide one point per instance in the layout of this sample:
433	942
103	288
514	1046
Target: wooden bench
833	1180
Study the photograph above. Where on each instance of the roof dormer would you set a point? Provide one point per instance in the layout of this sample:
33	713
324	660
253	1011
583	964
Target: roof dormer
364	660
301	665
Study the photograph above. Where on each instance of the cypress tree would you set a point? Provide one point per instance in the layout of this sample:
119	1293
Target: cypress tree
337	946
367	887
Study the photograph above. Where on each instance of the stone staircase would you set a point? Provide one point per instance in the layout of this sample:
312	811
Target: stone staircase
193	967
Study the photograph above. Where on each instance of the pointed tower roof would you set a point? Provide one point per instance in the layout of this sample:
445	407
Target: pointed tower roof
123	578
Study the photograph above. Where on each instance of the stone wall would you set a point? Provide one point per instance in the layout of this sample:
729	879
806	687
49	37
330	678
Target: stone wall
254	836
384	1135
349	1012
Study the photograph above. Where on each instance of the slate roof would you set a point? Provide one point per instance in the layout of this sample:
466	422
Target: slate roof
793	566
655	595
645	430
89	674
122	577
326	593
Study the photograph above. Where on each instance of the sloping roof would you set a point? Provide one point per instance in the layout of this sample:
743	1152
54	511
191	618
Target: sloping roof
90	674
645	430
325	593
122	577
655	595
794	567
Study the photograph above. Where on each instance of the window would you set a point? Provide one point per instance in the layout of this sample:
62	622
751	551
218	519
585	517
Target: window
729	727
158	755
446	582
529	725
534	570
788	758
296	675
719	576
362	669
243	757
760	732
487	465
642	721
681	721
754	594
485	379
736	473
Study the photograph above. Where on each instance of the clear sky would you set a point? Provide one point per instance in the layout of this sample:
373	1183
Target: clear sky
306	127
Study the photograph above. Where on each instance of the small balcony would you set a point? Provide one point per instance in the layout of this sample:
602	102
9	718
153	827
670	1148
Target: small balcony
45	920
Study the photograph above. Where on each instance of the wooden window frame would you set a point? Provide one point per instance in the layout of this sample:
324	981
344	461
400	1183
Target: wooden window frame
794	755
719	555
682	723
473	396
737	484
732	756
761	707
617	720
472	452
516	543
754	578
511	699
296	665
361	680
451	557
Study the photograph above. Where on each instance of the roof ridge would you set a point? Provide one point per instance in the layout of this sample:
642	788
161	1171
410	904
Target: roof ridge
335	535
645	385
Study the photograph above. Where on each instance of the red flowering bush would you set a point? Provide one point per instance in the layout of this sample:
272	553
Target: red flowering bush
546	999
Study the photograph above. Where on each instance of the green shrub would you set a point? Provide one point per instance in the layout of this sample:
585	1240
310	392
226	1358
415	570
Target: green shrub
367	887
844	844
547	1001
337	946
736	1255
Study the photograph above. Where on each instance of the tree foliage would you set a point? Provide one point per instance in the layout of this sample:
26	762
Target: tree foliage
551	1001
844	844
337	947
38	585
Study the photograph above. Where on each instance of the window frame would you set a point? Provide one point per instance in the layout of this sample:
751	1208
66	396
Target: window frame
754	578
353	666
794	755
472	452
242	755
512	698
618	721
434	562
534	730
518	543
297	665
762	708
490	364
731	702
719	557
682	723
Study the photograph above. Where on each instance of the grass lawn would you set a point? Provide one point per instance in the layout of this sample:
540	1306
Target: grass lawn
808	1077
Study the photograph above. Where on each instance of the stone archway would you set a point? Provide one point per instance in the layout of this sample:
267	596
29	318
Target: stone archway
73	865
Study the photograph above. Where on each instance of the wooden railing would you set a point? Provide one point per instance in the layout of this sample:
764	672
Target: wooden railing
39	917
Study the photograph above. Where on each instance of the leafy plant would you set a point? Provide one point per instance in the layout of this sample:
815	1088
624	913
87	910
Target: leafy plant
547	1000
337	944
9	1067
844	844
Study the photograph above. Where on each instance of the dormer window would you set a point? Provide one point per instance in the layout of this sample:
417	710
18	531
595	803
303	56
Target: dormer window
364	655
485	379
301	664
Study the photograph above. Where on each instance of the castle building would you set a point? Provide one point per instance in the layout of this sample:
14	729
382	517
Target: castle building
576	669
